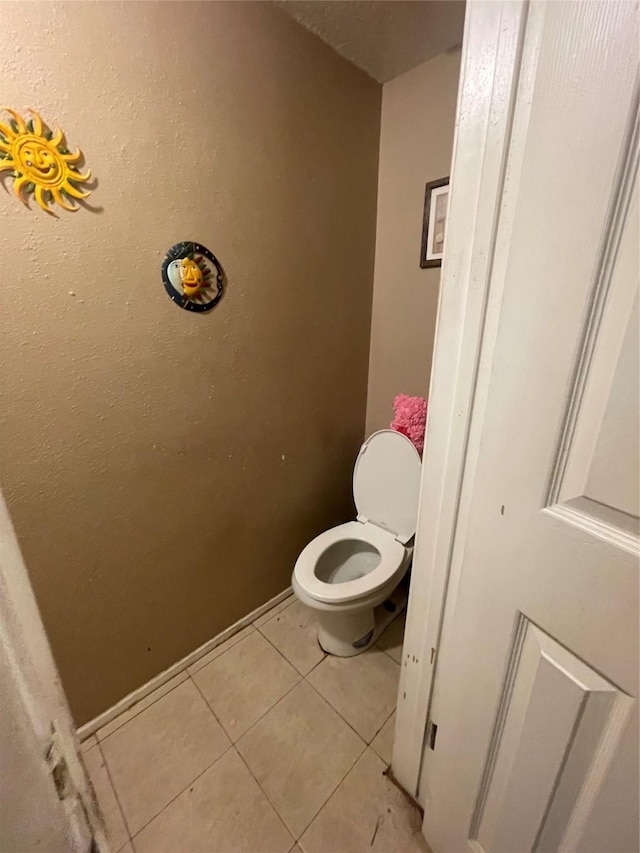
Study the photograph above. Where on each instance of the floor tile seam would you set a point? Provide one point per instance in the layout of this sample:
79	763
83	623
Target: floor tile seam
325	655
377	754
362	738
334	789
223	643
226	749
291	599
297	837
115	793
387	654
210	707
368	742
271	708
142	710
87	752
384	724
232	744
363	742
284	658
268	798
261	632
390	656
188	675
181	791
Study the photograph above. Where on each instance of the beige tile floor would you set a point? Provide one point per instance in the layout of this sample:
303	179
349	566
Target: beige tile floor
265	744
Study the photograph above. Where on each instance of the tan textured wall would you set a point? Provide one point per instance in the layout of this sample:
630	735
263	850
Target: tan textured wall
164	469
416	140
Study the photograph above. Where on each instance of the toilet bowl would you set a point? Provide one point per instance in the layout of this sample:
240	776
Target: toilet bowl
349	573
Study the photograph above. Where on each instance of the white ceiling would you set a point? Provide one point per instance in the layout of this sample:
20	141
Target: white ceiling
383	37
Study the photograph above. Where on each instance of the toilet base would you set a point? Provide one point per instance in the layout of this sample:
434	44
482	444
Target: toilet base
351	633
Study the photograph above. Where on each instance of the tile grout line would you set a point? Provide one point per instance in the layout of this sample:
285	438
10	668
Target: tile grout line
290	600
305	678
89	728
395	707
117	798
142	710
208	704
234	743
237	751
301	678
384	724
231	745
341	780
344	720
334	789
253	725
375	645
388	764
302	674
325	655
187	676
241	757
200	666
365	745
186	669
182	790
264	621
286	660
267	797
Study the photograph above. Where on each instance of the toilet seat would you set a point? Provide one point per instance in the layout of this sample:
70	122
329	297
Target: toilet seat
386	484
392	554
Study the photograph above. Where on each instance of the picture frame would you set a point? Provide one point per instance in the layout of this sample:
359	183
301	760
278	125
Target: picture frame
436	198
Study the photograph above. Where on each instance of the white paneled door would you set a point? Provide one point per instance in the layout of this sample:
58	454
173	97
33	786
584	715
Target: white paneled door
535	699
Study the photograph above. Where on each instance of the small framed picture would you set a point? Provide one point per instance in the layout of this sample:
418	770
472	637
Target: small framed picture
434	223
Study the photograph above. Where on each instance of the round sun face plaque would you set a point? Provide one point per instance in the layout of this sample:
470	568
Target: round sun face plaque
40	162
192	276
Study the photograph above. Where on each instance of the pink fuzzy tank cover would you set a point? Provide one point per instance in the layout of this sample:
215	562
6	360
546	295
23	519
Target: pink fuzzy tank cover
410	418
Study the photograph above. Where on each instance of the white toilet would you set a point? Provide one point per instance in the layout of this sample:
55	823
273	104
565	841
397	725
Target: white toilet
347	571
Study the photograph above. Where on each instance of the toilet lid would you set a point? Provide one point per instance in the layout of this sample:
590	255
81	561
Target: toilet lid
386	483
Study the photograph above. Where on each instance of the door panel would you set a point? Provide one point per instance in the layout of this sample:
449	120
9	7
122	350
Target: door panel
611	480
596	470
535	695
555	713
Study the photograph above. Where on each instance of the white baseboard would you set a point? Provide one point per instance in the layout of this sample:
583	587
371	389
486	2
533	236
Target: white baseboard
101	720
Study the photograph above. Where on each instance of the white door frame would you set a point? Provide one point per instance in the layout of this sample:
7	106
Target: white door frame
489	79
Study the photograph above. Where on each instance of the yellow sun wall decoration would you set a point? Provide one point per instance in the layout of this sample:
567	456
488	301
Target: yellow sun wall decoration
40	161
